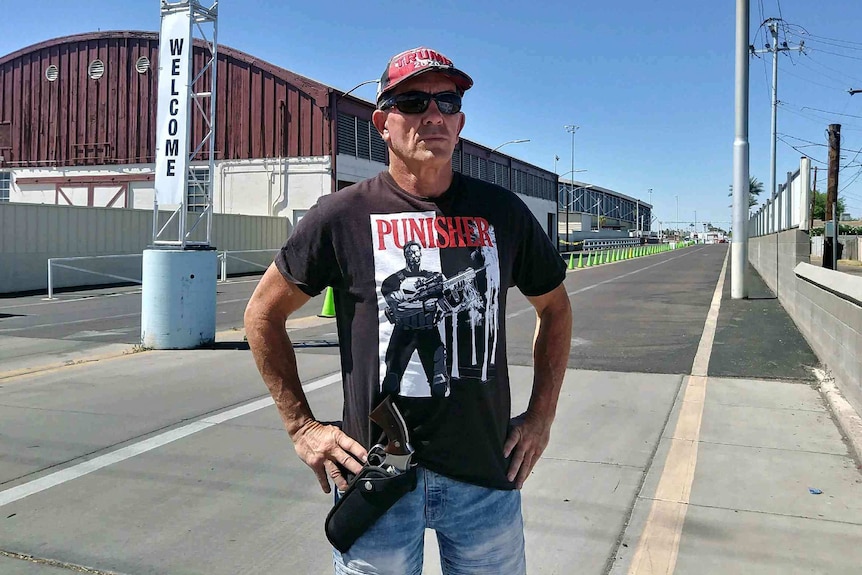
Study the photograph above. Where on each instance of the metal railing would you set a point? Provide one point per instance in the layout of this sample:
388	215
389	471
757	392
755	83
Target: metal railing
600	244
222	256
789	207
52	263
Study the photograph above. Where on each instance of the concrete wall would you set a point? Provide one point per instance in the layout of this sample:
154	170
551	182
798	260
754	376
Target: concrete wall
30	234
852	247
825	305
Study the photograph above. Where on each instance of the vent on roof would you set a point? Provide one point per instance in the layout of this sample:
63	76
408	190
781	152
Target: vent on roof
96	69
51	72
142	65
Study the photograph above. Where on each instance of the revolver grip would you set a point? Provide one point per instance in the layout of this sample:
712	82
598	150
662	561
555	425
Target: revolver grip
387	416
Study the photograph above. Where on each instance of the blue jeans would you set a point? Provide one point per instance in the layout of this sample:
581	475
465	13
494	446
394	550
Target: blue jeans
479	531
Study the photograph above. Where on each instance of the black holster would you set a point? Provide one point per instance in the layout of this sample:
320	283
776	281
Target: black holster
368	496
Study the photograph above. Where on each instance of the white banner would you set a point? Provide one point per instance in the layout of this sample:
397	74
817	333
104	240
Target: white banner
172	121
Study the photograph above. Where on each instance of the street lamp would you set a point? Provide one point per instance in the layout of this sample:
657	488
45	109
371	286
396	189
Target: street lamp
359	85
335	132
571	129
509	142
570	171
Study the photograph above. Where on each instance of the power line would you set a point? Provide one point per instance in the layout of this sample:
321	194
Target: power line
801	152
830	112
826	39
822	65
786	71
817	118
835	54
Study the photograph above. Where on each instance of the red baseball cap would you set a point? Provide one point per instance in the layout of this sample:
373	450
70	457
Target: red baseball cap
419	61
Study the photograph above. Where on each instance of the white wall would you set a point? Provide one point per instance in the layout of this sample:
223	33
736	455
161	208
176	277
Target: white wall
541	208
353	169
271	187
263	187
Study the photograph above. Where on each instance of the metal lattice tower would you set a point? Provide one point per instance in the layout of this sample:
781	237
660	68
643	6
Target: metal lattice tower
192	94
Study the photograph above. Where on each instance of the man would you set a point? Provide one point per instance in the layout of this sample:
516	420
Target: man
472	458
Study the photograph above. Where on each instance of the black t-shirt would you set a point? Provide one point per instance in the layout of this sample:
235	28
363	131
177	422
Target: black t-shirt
420	297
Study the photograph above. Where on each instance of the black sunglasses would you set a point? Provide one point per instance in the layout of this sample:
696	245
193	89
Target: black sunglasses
417	102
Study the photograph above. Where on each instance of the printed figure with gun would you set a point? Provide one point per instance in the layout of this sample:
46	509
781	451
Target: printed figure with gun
417	300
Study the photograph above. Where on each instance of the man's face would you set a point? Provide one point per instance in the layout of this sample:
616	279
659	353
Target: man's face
427	138
413	257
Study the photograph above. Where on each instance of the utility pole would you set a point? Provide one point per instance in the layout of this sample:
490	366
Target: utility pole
775	48
740	219
834	131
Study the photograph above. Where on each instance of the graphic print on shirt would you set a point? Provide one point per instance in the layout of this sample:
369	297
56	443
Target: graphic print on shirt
438	293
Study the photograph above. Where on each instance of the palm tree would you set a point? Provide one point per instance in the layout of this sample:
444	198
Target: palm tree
755	188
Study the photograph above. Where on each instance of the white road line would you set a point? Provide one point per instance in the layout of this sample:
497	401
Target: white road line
658	547
59	477
607	281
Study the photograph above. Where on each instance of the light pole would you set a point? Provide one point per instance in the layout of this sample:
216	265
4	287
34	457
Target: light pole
649	191
510	142
572	129
677	216
335	122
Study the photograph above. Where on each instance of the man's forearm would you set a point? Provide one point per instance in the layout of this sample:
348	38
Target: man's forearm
550	356
276	361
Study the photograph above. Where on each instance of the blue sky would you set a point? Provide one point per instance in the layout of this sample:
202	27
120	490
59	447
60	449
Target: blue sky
649	83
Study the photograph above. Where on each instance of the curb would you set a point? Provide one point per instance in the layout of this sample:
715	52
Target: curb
848	420
225	335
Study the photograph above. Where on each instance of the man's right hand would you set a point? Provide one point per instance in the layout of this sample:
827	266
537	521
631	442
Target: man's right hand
324	448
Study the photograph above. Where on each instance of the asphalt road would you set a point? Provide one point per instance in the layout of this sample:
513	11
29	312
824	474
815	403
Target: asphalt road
176	462
643	315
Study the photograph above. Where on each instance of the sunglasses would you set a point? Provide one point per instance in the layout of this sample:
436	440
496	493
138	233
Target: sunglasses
417	102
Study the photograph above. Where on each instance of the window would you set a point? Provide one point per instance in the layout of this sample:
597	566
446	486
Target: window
199	189
5	186
359	138
346	134
456	160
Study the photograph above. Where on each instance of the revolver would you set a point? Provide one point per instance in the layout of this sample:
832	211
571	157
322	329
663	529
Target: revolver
396	456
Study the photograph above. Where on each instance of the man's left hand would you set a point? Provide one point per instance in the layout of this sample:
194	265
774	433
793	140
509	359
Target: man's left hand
528	437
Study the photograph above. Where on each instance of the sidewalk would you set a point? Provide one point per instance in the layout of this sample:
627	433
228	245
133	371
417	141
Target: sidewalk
768	483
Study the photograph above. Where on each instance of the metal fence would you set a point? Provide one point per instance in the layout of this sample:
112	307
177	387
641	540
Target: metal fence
789	207
242	265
